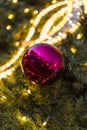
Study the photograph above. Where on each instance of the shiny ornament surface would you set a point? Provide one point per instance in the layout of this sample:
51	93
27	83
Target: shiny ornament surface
42	62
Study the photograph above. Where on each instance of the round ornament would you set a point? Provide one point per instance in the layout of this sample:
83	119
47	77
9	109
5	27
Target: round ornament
42	63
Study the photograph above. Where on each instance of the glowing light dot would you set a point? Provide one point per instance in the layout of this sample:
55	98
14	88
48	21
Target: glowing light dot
8	27
59	38
54	1
78	13
60	33
70	15
24	118
14	1
26	10
44	123
84	64
10	16
79	36
70	22
29	91
73	50
4	97
85	12
31	21
17	43
35	12
82	17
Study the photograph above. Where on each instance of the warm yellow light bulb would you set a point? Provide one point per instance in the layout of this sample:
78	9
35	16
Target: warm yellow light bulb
73	50
59	38
3	98
26	10
31	21
14	1
84	64
8	27
29	91
54	1
10	16
44	123
17	43
35	12
24	118
79	36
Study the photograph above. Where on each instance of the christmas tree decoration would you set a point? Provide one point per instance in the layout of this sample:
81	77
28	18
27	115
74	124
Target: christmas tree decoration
42	63
58	105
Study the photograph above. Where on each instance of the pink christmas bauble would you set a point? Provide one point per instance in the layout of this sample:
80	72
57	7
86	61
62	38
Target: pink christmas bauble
42	63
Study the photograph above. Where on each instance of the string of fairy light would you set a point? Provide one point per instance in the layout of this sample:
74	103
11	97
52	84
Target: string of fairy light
30	34
48	35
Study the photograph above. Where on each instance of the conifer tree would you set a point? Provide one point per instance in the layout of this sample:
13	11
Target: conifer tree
61	104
